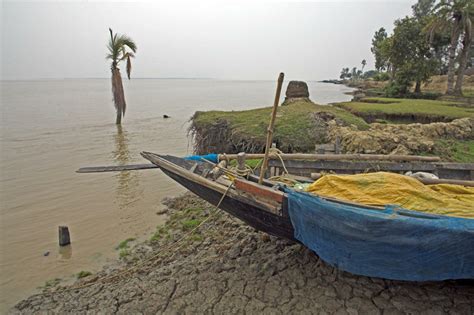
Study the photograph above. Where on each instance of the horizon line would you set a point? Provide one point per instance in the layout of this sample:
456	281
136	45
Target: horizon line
147	78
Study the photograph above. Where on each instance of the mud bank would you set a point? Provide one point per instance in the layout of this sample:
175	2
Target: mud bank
299	126
228	267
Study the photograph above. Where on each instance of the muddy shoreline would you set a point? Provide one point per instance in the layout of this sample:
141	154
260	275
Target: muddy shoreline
204	261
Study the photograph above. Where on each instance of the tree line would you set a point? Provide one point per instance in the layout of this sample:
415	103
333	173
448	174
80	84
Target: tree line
435	40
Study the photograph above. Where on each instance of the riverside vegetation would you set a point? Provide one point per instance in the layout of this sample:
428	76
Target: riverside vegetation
368	125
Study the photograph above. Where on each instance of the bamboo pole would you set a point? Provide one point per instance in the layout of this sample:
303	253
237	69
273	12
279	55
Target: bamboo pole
336	157
116	168
270	127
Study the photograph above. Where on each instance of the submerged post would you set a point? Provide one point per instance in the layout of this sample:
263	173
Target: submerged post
64	238
270	127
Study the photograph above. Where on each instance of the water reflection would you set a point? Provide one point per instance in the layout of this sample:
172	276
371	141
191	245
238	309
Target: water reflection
65	252
128	188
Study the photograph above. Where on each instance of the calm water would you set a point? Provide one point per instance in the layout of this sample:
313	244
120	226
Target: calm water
51	128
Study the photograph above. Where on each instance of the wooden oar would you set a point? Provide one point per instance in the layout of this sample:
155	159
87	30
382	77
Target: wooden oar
118	168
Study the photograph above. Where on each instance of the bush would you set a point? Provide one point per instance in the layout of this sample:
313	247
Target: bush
381	76
424	95
370	74
393	89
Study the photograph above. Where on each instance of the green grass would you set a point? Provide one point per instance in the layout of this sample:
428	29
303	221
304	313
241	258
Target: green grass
295	129
51	283
417	108
161	231
289	117
123	247
252	163
124	252
468	92
82	274
184	220
124	244
190	224
455	150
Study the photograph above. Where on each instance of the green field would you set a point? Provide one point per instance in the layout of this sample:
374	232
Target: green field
455	150
407	110
290	117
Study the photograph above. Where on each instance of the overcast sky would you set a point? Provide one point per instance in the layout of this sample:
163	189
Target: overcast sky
309	40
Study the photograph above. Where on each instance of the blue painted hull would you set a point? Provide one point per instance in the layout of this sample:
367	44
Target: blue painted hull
392	243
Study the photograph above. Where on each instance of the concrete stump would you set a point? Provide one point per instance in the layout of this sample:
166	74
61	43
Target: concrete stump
297	89
64	238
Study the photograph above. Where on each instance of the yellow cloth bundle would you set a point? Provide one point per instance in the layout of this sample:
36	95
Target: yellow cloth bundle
382	188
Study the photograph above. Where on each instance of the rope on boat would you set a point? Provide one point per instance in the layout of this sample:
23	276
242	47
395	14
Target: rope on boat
282	178
176	245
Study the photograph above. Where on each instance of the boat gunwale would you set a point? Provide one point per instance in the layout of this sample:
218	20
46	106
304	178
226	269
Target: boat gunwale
198	179
170	166
386	210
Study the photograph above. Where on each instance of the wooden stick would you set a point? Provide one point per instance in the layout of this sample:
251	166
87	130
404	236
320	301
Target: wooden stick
426	181
336	157
241	161
218	170
118	168
270	127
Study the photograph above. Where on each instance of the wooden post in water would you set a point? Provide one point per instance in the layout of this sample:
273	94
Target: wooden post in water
270	127
64	238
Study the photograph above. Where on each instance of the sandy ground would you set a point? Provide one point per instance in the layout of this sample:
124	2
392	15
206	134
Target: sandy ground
228	267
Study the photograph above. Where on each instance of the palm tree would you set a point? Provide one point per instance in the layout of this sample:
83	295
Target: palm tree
119	46
466	25
454	15
364	62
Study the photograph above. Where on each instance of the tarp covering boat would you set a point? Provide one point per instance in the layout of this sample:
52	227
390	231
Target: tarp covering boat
382	188
391	243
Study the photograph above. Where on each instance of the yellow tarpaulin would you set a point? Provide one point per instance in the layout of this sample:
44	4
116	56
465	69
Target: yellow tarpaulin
382	188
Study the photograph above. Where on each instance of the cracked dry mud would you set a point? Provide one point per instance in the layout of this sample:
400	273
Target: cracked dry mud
231	268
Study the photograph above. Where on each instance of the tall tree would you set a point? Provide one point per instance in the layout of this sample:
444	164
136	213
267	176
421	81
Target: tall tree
454	15
410	55
466	24
422	8
363	63
377	49
344	73
121	47
354	75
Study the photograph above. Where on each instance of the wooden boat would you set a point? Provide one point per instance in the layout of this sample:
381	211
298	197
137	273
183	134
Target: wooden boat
265	214
385	242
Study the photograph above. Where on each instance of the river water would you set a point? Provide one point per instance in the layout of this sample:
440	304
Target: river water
50	128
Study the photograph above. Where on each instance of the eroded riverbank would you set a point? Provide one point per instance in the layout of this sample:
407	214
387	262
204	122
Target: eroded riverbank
227	267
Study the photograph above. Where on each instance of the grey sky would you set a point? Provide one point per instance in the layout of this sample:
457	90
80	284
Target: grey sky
220	39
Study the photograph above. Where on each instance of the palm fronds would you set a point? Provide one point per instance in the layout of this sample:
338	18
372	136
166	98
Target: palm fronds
120	47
